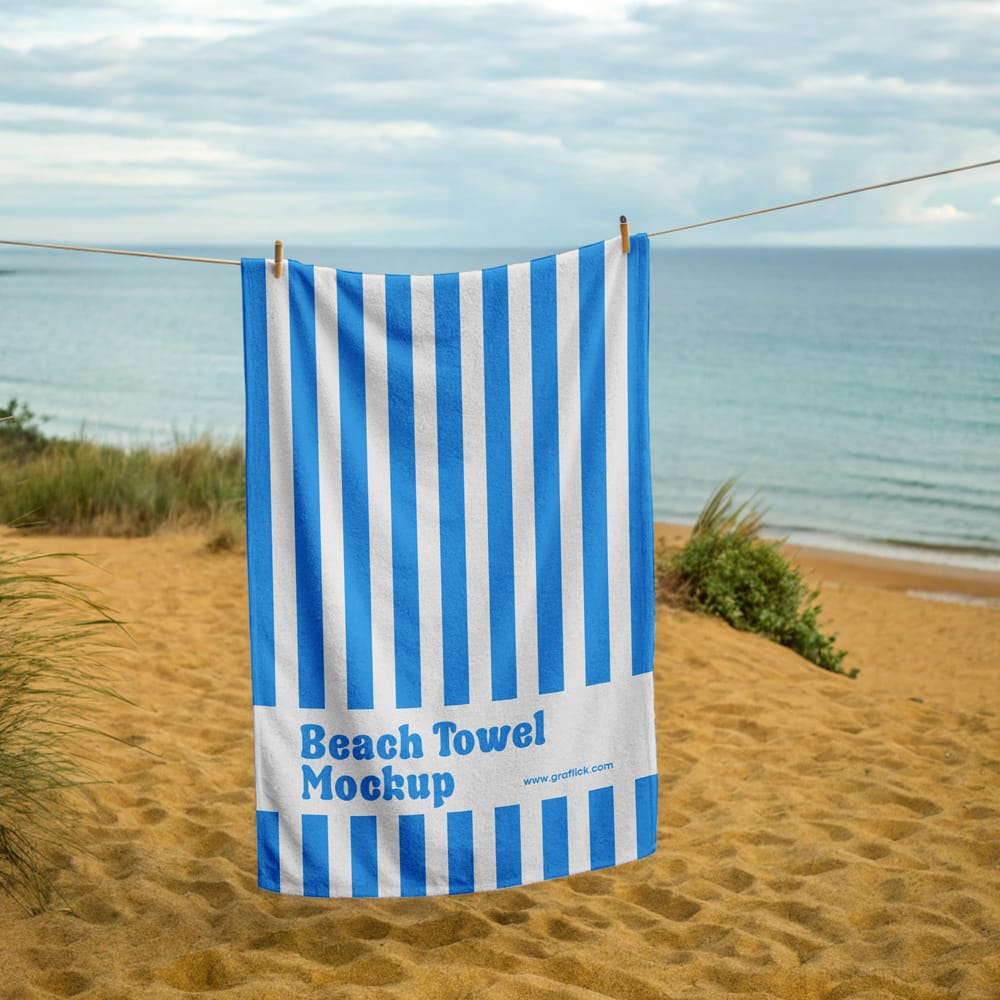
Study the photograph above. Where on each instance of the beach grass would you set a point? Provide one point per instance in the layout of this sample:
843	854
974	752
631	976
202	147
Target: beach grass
52	635
729	570
73	486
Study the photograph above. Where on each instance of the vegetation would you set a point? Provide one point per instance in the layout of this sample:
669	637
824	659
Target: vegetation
52	633
77	487
20	436
50	636
727	569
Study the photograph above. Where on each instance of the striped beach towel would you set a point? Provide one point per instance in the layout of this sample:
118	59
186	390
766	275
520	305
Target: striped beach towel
450	573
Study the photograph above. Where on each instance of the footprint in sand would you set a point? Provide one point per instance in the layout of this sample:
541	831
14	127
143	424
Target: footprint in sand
663	902
209	969
733	879
65	983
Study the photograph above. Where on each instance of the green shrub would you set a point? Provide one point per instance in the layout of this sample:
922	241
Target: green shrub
20	435
726	569
50	641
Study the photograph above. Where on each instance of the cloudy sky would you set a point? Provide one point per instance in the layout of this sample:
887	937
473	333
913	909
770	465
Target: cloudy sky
495	124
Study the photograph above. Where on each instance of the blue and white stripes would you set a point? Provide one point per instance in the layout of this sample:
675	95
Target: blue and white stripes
354	861
449	524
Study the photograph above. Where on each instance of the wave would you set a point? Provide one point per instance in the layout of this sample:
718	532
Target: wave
981	557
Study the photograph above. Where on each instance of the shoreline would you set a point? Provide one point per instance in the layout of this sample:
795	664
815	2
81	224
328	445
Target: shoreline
895	550
984	559
919	578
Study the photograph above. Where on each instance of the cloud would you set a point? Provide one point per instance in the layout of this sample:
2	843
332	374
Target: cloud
933	214
492	122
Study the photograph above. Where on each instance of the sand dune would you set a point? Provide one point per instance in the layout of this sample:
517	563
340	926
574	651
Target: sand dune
819	837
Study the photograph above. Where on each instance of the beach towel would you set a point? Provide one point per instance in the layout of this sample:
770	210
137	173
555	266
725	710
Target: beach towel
449	546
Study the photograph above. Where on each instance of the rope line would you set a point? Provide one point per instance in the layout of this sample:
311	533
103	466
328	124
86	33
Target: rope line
661	232
827	197
124	253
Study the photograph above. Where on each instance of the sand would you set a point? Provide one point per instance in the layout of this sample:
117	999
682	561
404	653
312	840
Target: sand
819	837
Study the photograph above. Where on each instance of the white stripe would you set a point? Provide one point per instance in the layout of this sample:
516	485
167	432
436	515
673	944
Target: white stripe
532	857
290	851
428	506
616	397
523	476
625	831
474	454
436	851
389	875
379	491
648	724
570	483
484	849
279	405
341	881
578	825
331	496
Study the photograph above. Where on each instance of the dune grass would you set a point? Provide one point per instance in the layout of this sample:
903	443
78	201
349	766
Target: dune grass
78	487
51	638
728	570
52	635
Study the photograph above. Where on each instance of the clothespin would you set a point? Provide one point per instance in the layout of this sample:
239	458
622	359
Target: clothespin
623	226
278	255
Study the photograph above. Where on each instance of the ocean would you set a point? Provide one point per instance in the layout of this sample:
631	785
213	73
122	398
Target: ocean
855	391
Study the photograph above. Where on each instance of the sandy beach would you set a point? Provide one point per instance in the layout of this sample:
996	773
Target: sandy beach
819	837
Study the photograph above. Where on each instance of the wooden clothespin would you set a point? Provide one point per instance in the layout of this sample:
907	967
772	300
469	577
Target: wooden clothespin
623	226
279	249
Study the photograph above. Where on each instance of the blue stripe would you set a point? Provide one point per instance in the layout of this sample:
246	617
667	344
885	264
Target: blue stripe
412	857
461	865
305	466
364	856
260	570
315	856
403	490
545	430
268	859
451	489
602	827
640	482
507	830
646	792
499	490
593	431
555	838
354	471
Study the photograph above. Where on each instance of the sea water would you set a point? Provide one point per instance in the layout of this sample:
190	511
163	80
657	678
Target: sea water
857	391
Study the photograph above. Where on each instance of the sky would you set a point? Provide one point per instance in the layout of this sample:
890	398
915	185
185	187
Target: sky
496	124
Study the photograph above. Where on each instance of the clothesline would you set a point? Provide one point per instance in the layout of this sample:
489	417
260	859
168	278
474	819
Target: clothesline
827	197
661	232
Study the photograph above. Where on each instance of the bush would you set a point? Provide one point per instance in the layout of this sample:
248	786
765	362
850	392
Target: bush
726	569
20	435
50	638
